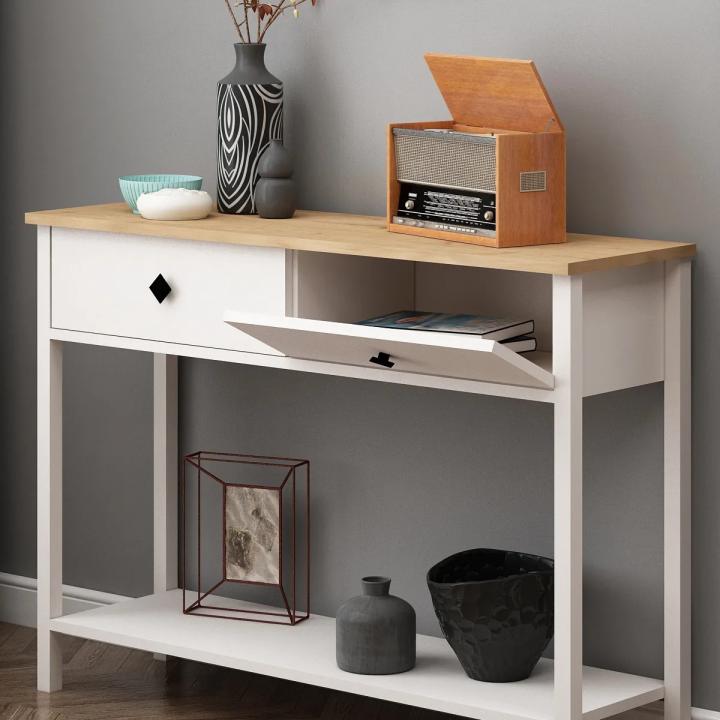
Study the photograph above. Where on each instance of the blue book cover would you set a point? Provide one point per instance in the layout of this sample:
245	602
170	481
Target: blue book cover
489	328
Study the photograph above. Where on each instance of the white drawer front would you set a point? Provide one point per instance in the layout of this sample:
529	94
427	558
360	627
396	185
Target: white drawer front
100	284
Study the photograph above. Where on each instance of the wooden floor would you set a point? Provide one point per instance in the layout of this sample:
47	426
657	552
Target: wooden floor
102	681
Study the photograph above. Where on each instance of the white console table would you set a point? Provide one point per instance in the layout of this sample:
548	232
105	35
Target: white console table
285	294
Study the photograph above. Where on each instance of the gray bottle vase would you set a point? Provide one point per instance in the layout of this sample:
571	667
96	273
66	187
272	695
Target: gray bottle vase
275	191
375	631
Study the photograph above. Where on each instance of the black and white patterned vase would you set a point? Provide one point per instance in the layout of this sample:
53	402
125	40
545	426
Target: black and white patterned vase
250	115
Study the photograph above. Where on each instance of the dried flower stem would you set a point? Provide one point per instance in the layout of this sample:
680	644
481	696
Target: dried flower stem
279	10
247	20
266	14
234	19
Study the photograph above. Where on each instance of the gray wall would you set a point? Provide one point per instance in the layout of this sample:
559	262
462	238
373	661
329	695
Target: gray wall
93	89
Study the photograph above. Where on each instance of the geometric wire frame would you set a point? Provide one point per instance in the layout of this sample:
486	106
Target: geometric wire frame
269	507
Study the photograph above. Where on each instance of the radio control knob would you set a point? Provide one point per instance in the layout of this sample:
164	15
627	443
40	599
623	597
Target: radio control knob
488	215
409	204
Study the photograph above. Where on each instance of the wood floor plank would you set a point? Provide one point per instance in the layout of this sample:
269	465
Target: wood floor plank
6	629
25	712
20	641
113	683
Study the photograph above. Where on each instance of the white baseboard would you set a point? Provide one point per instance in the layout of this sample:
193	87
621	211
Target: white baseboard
703	714
18	606
18	599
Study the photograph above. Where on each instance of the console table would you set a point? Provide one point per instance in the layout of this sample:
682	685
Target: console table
285	294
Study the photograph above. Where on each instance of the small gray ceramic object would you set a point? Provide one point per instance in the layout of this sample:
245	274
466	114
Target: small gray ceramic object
375	632
275	198
275	161
275	190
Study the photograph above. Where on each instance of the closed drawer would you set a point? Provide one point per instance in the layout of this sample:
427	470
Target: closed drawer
100	284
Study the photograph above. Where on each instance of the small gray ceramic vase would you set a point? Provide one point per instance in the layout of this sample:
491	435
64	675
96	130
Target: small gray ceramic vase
275	191
375	631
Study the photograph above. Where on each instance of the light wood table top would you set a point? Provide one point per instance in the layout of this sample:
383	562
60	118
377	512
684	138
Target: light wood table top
365	235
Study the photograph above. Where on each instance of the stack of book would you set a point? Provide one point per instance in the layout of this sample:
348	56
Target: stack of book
515	334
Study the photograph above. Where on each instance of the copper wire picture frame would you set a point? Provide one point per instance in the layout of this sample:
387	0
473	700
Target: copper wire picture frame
245	543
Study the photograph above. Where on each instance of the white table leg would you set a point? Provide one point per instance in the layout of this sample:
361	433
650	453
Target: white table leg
677	489
165	474
49	481
568	367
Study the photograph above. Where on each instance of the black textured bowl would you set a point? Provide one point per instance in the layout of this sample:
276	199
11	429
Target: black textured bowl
495	608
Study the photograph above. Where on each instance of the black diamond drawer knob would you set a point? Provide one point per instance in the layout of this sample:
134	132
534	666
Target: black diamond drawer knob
160	288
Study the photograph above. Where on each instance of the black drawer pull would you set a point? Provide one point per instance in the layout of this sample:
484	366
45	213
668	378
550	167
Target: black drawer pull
160	288
382	358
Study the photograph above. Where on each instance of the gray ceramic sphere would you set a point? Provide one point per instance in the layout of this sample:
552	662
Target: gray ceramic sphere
376	631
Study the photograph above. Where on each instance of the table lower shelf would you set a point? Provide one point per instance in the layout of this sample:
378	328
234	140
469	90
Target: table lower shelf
306	653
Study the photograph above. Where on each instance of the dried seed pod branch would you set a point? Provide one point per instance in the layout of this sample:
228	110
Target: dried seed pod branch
236	23
266	13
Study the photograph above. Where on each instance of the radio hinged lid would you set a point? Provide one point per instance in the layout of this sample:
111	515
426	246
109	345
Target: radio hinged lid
494	93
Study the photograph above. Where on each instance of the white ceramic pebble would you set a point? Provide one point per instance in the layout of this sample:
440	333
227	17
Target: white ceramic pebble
175	204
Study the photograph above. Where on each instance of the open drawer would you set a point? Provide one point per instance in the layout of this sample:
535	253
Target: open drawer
413	351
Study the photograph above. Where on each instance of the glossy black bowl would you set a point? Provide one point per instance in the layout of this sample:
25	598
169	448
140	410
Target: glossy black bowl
495	608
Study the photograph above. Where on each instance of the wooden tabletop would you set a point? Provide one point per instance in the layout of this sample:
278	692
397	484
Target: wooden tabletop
366	235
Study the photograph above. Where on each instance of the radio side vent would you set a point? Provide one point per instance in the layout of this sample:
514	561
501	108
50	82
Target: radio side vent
534	181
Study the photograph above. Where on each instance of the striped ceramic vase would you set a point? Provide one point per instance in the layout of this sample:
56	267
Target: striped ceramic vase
250	115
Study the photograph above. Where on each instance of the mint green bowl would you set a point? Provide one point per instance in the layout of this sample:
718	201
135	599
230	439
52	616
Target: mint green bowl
133	186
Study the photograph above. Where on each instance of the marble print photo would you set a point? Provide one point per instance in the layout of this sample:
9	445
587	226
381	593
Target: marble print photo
252	534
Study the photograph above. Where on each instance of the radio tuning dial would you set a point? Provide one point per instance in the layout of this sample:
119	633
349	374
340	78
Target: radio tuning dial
489	216
409	204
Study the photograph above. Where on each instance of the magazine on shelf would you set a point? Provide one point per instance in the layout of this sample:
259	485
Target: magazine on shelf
489	328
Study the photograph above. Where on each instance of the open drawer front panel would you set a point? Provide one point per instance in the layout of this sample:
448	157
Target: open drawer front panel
413	351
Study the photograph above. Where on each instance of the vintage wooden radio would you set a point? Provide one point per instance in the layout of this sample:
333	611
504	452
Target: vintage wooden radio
494	174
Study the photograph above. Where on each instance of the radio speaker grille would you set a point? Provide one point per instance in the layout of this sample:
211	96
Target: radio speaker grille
445	159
